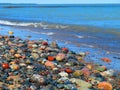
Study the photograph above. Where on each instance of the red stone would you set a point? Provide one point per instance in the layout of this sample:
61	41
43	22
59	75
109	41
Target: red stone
65	49
68	70
5	65
51	58
44	43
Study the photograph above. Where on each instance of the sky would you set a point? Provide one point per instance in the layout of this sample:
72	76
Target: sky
61	1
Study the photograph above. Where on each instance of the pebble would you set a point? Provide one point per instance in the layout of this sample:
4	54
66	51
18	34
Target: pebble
108	73
63	74
60	57
81	83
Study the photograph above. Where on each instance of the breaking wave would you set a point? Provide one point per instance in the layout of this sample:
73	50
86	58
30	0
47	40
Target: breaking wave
33	24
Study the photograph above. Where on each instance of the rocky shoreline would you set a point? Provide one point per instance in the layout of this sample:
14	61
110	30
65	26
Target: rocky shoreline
39	65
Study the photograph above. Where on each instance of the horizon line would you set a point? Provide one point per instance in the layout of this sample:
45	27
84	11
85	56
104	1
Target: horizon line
59	3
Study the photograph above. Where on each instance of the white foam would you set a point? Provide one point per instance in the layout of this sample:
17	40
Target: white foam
40	24
5	22
80	36
49	33
91	46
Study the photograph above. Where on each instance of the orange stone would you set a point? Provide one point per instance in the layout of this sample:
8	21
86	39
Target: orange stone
68	70
89	66
12	51
31	42
51	58
104	86
14	67
106	60
49	64
17	55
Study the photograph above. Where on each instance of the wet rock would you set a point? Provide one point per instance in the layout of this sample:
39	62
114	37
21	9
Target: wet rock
81	83
49	64
108	73
77	73
35	55
63	74
60	57
105	86
14	67
101	68
37	78
54	44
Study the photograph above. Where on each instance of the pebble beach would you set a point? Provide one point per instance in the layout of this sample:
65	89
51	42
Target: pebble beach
40	65
46	47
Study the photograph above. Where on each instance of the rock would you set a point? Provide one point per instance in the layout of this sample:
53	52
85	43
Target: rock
34	46
38	78
63	74
30	67
101	68
49	64
11	32
17	55
82	54
1	43
106	60
5	65
77	73
68	70
83	88
68	64
54	44
105	86
22	64
14	67
60	86
35	55
86	71
65	50
51	58
32	87
60	57
108	73
81	83
44	43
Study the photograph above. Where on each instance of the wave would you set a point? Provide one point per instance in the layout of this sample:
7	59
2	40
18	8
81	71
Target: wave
33	24
68	27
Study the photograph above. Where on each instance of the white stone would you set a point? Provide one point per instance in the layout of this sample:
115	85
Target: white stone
108	73
63	74
22	64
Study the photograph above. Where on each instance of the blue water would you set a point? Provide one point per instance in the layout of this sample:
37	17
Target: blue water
93	15
87	25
